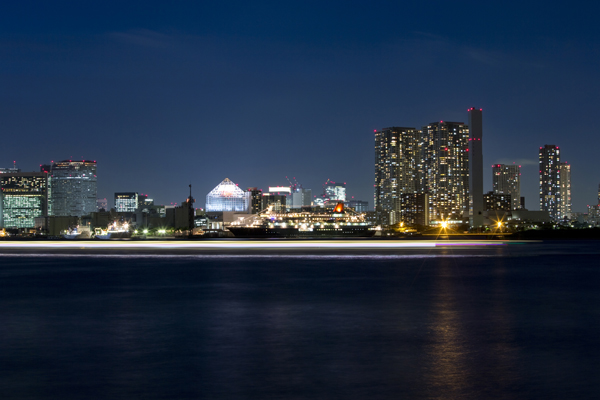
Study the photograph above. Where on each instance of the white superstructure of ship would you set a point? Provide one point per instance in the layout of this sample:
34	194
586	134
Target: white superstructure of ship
336	223
116	230
77	232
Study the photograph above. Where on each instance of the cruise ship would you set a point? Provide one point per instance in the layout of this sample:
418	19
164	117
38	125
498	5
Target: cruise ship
338	223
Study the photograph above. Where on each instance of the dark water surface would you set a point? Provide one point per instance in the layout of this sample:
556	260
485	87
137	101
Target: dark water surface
515	321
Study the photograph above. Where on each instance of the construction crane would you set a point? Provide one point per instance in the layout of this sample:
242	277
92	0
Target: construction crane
294	186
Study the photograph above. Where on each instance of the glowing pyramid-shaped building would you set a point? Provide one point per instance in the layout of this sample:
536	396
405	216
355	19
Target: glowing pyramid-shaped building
227	196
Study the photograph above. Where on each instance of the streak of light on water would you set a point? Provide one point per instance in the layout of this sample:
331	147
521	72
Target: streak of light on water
313	244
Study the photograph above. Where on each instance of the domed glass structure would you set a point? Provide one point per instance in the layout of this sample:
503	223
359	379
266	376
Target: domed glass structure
227	196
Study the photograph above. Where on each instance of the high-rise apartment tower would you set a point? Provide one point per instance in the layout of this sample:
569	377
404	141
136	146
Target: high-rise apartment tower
446	160
549	159
435	161
565	190
397	156
506	179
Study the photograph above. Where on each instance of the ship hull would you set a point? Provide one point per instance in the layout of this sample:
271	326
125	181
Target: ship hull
276	232
114	235
74	236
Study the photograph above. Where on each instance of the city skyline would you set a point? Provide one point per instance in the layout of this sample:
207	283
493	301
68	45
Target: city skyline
165	96
407	175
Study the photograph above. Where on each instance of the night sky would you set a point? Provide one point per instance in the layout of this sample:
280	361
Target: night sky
164	94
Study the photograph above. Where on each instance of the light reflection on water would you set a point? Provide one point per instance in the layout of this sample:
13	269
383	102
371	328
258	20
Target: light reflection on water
471	352
448	344
497	323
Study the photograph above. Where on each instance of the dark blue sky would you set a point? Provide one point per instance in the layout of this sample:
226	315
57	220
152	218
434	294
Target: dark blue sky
166	94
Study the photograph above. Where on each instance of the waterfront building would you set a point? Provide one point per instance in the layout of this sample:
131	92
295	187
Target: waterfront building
358	205
334	192
280	189
146	205
101	204
534	217
446	160
227	196
301	198
73	188
592	218
549	161
23	198
397	170
9	170
12	170
126	201
497	201
184	214
443	160
143	200
475	171
506	179
278	202
414	209
147	209
255	200
565	191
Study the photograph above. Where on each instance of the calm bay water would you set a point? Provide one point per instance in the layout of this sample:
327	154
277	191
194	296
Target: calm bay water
515	321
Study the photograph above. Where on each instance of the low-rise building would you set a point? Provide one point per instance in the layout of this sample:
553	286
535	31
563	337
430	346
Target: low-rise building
497	201
227	196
